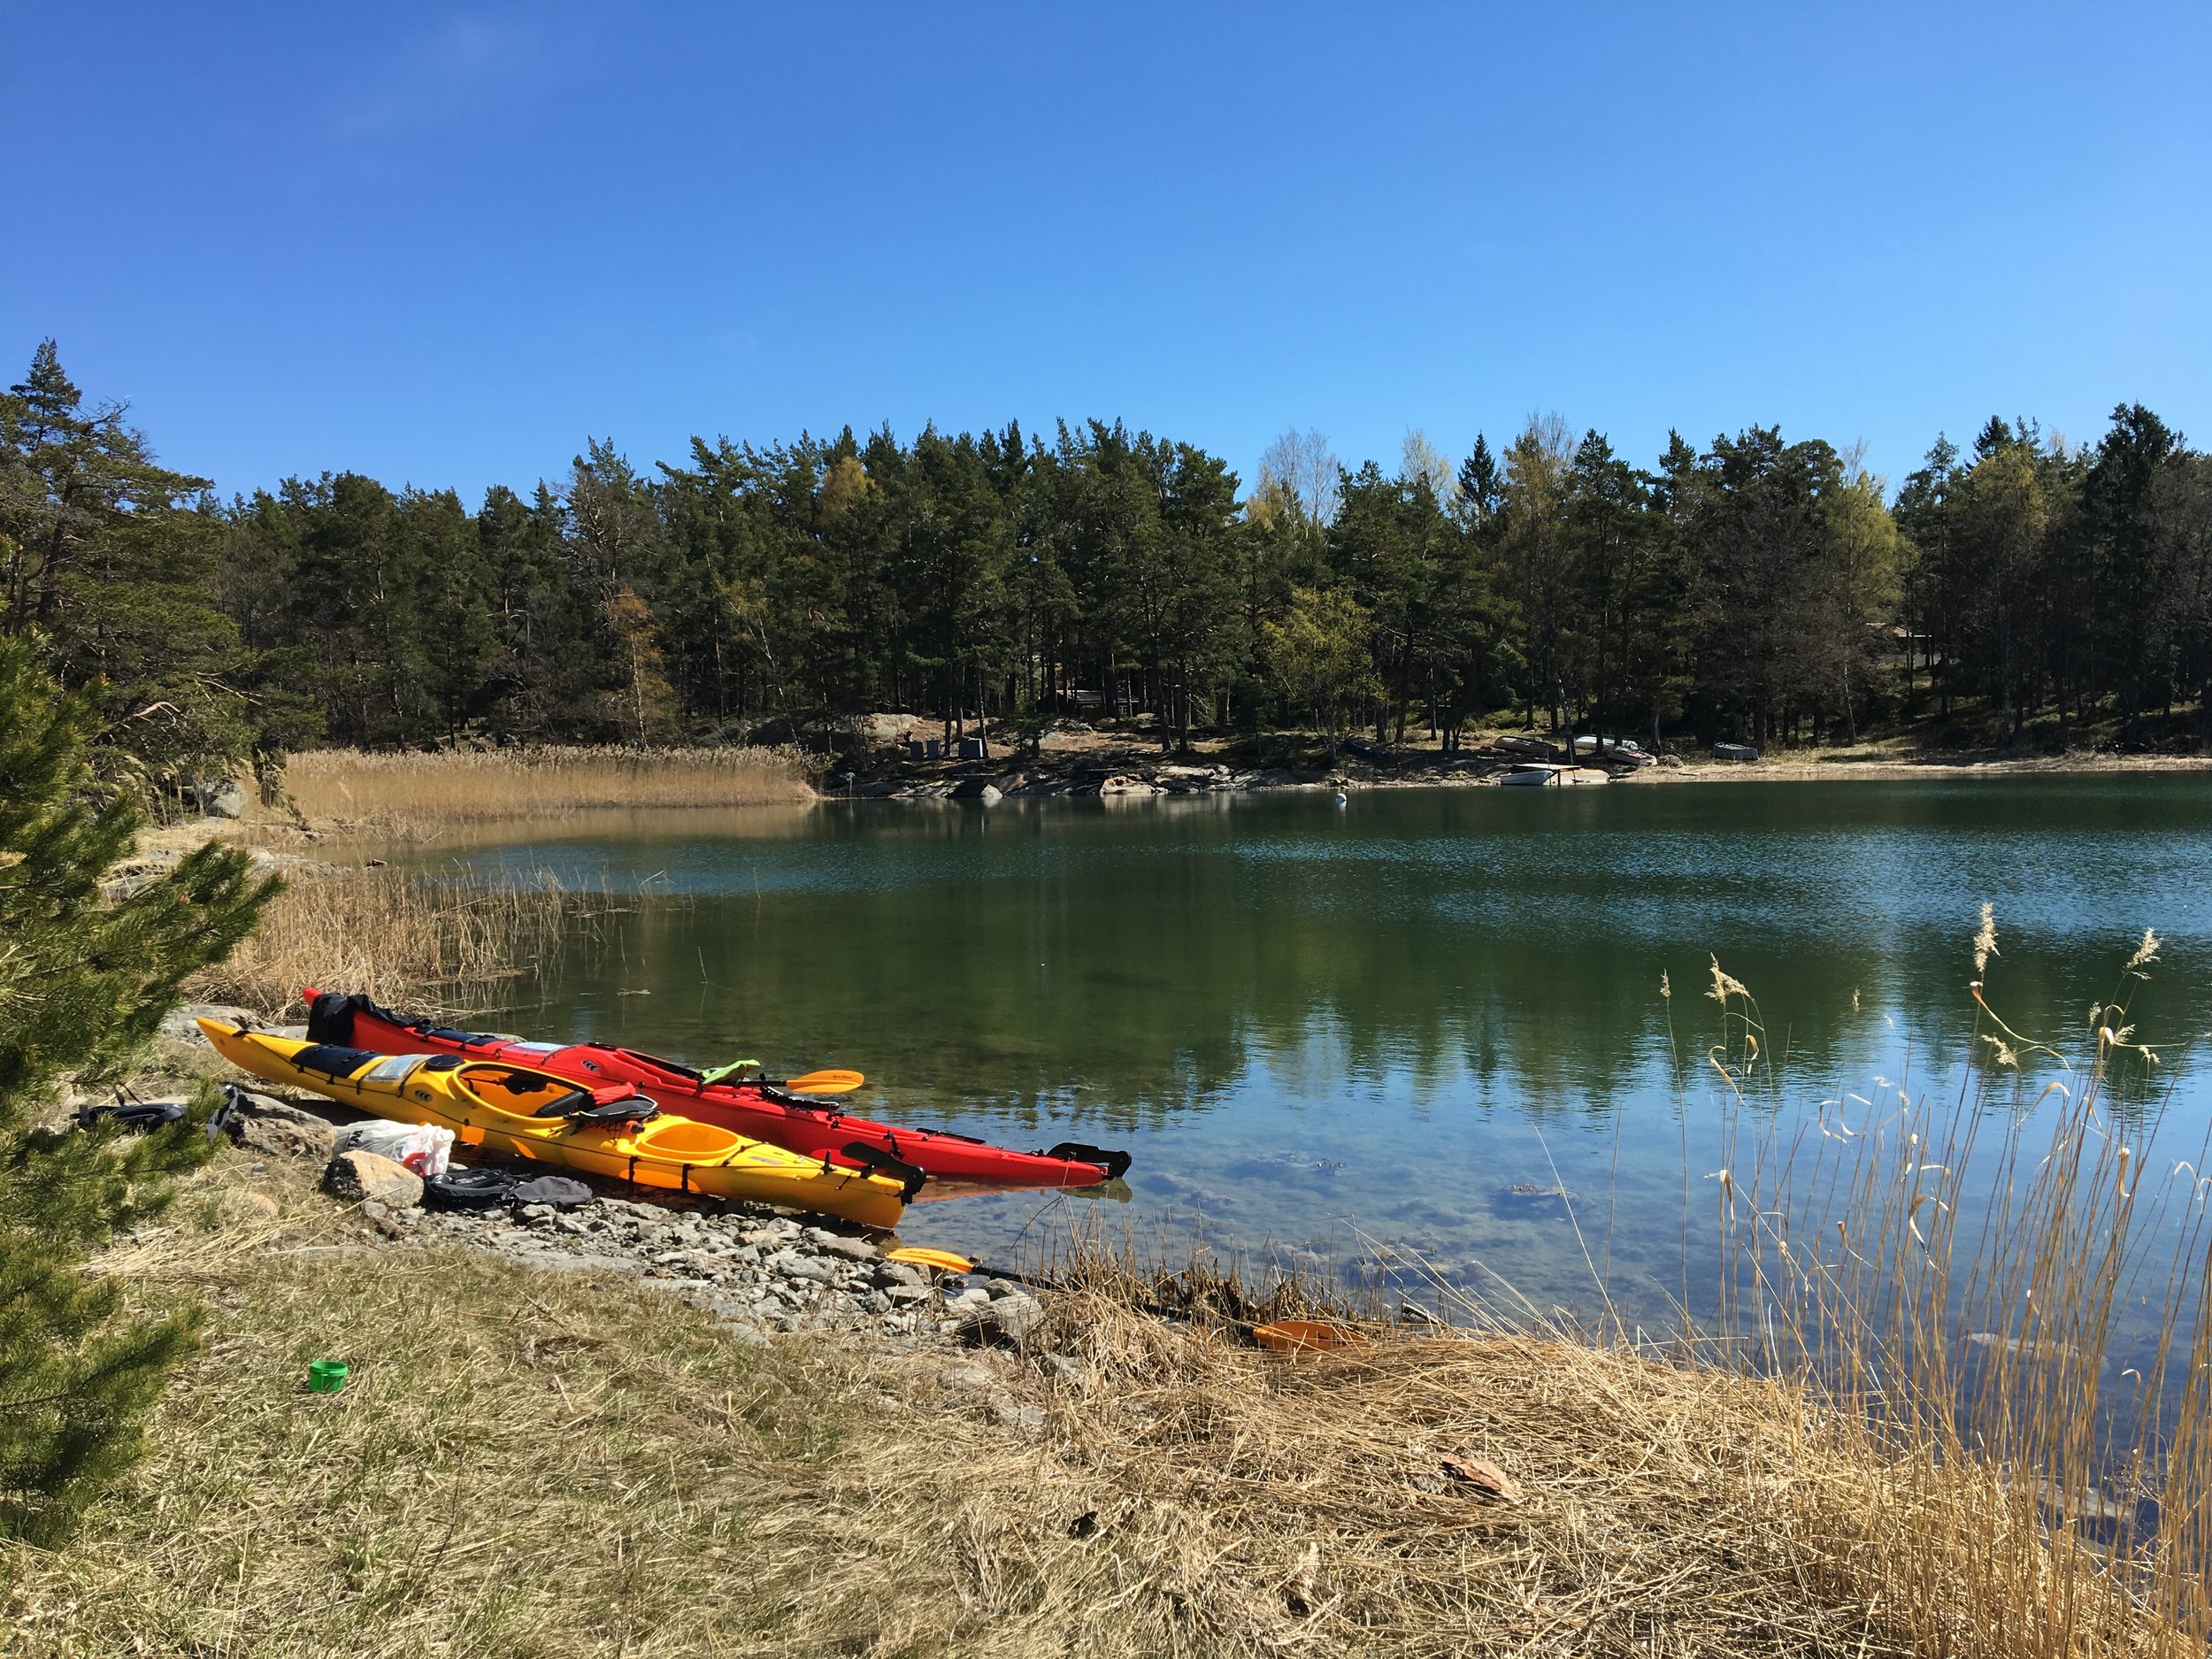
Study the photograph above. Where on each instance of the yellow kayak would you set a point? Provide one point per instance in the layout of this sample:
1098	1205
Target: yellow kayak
528	1114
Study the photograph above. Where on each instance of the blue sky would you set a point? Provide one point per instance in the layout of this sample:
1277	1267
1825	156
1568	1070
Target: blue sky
444	245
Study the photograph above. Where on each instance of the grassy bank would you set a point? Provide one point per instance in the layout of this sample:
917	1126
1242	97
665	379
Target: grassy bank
429	943
411	794
543	1465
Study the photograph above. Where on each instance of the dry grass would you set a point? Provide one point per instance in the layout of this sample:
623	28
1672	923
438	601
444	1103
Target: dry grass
425	942
521	1464
415	793
543	1465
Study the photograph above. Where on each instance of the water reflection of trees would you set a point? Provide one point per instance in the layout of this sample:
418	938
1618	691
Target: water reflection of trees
1131	982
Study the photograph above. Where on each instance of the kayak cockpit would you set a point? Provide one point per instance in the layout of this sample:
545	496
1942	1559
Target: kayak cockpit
514	1090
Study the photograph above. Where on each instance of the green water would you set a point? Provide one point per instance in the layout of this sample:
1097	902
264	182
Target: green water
1328	1031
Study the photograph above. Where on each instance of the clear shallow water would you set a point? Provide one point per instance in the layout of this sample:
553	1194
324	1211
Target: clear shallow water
1335	1029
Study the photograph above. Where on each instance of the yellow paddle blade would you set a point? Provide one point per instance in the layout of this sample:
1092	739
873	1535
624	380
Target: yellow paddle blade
824	1083
921	1255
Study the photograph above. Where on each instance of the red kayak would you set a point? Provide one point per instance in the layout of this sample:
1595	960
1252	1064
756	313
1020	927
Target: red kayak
754	1106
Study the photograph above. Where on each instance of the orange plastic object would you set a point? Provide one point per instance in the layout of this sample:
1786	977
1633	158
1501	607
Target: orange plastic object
1305	1336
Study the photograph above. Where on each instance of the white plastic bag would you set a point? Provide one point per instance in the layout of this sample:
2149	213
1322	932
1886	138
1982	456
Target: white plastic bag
425	1149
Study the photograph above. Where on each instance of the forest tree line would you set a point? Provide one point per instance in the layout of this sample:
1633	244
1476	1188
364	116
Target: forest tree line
1762	589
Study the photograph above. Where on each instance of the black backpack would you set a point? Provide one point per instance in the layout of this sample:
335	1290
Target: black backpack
473	1190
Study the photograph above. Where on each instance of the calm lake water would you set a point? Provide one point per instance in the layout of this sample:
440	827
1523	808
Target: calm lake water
1326	1032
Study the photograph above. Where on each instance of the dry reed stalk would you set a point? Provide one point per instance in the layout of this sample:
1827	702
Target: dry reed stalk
412	792
2045	1453
416	940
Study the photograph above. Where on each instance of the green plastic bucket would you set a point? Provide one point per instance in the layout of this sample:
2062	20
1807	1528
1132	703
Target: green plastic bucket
326	1376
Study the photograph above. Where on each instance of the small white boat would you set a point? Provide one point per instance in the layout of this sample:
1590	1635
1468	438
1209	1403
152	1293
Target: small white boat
1533	776
1536	775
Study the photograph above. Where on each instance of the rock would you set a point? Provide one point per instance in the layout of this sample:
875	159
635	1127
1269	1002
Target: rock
260	1123
358	1176
888	1273
1005	1322
1011	1415
281	1137
220	797
178	1025
967	1377
1060	1368
978	789
850	1249
790	1265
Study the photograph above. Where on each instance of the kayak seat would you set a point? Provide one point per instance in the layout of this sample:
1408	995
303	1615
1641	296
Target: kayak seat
580	1106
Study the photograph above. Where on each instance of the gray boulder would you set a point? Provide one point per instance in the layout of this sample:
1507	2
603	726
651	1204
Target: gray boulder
276	1130
281	1135
220	797
1004	1322
357	1176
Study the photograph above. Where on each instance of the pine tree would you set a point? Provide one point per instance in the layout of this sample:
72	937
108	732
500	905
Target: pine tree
84	980
110	559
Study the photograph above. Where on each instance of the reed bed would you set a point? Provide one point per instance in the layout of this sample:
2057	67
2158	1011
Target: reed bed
414	794
430	943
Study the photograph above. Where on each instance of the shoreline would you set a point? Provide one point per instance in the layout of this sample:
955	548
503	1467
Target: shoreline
1107	1452
395	799
1123	774
1784	771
